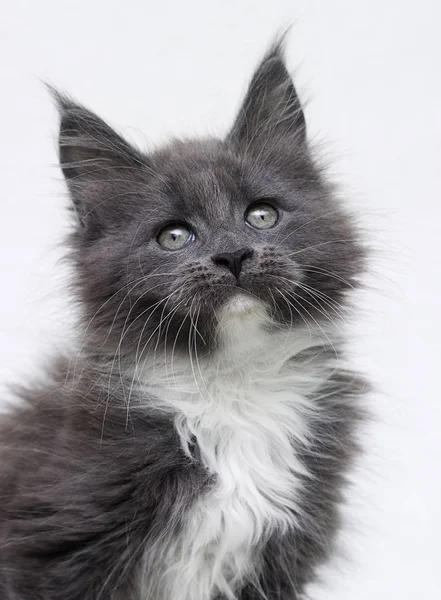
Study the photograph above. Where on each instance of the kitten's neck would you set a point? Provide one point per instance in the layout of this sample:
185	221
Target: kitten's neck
250	348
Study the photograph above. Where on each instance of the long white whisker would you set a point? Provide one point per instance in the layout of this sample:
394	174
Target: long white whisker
315	321
339	241
322	216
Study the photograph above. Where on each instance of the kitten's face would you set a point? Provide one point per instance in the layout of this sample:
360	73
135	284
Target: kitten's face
168	241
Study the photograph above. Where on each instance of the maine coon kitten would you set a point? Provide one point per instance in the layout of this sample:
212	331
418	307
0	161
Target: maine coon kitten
194	444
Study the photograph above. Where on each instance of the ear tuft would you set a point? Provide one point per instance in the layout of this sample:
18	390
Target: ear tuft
97	162
271	108
86	142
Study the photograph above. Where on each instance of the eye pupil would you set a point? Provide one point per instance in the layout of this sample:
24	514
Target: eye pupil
175	236
261	215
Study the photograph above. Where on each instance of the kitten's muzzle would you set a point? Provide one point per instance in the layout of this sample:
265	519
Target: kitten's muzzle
233	260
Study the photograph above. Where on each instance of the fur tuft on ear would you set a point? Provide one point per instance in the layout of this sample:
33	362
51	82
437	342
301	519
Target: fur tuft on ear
86	141
271	108
95	160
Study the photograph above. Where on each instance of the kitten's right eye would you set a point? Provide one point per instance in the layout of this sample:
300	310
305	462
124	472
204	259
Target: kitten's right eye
175	236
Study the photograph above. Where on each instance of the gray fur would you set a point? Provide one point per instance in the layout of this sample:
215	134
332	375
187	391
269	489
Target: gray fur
88	480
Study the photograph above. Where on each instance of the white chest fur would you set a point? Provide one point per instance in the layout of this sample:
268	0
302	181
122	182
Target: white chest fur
246	410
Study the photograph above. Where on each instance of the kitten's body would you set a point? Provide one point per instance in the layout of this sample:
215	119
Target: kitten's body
195	447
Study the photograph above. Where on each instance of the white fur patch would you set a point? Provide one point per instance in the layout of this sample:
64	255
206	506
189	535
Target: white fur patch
246	408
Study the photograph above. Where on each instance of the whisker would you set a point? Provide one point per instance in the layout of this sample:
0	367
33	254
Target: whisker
317	269
315	321
339	241
299	313
289	308
308	290
139	358
190	333
117	353
83	340
194	325
323	216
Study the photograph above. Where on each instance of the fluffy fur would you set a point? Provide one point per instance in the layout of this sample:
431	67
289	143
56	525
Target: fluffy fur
249	415
194	445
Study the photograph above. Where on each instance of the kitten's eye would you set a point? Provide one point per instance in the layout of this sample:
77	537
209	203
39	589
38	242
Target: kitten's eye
261	215
175	237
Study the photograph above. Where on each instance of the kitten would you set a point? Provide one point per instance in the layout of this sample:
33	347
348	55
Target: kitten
195	443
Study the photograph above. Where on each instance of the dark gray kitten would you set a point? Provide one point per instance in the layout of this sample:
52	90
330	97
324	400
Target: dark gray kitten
194	444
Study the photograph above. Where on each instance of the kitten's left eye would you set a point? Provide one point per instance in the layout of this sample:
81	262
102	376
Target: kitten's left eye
175	236
261	215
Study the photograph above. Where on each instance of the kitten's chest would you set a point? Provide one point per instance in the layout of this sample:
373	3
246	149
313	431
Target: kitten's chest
245	430
244	416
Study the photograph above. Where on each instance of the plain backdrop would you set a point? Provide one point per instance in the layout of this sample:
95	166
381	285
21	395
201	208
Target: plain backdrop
370	71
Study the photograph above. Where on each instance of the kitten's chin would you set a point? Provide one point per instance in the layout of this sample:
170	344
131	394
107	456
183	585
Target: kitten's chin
242	304
243	309
242	324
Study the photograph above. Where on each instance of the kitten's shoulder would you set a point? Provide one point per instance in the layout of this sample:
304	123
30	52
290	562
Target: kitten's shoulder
73	415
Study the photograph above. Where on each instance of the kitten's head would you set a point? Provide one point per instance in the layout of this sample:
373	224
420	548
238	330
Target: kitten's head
169	241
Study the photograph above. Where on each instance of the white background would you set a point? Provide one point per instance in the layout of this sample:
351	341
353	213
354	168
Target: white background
371	72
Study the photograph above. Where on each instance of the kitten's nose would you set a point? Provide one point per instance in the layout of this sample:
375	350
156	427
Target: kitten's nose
233	260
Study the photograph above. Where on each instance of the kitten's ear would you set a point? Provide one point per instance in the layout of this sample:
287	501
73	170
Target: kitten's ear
271	109
94	160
